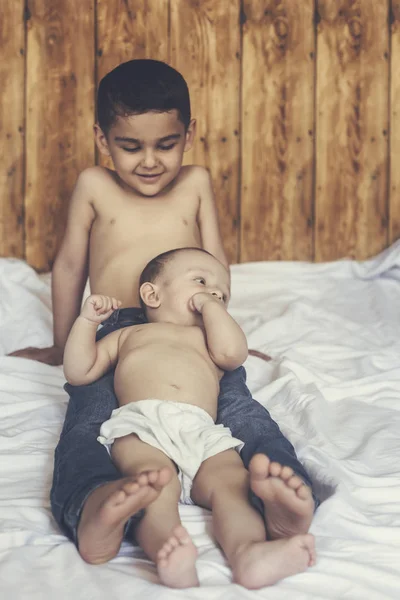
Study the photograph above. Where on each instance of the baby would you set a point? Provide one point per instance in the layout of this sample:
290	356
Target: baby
167	375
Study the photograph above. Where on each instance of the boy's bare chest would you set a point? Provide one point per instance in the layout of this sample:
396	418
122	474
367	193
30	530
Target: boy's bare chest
122	216
128	232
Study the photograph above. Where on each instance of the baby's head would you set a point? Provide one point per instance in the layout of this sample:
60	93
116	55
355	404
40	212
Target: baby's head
169	281
144	123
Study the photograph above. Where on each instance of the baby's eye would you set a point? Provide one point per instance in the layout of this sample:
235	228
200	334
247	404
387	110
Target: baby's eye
201	280
131	149
167	147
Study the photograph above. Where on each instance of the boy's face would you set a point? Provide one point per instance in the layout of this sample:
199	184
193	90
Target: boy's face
187	274
147	149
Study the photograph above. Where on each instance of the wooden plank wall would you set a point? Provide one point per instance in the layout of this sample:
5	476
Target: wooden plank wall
297	105
59	117
352	128
12	116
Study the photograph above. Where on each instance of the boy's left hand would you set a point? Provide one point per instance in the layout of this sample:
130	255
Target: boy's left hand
197	301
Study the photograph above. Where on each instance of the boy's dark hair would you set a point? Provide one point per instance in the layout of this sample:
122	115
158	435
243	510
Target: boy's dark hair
155	267
139	86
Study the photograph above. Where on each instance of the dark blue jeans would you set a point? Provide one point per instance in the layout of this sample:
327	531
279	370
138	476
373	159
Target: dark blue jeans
81	463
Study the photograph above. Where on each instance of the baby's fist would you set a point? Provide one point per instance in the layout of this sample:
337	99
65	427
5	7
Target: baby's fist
98	308
197	301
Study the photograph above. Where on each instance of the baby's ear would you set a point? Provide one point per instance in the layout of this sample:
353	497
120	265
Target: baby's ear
149	294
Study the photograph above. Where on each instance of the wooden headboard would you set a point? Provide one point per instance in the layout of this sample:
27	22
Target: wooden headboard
297	105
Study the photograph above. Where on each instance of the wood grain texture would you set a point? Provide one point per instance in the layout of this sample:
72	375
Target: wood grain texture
129	29
12	44
205	48
60	111
352	128
394	187
126	30
277	130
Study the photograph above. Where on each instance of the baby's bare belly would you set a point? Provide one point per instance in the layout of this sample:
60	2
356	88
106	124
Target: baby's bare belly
170	376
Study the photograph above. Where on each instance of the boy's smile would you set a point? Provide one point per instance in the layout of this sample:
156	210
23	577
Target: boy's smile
147	149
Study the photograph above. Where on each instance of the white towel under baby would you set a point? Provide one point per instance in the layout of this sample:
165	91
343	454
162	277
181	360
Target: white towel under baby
185	433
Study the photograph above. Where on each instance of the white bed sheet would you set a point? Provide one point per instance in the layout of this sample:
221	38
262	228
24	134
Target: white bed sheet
333	384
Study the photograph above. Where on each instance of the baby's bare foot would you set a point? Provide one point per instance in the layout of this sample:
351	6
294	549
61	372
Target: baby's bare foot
176	560
288	502
264	563
108	508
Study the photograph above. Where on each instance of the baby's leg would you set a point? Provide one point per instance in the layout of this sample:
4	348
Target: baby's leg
222	485
160	532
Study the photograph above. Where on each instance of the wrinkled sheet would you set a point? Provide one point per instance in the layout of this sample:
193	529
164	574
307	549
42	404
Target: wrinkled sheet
333	385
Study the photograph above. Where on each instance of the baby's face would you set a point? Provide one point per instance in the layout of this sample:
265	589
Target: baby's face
189	273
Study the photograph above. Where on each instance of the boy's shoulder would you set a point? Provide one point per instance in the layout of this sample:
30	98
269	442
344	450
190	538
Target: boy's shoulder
95	184
195	178
195	173
95	175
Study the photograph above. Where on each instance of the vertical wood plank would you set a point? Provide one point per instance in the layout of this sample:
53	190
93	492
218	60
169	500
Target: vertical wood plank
60	114
352	128
129	29
12	43
278	129
126	30
205	48
394	188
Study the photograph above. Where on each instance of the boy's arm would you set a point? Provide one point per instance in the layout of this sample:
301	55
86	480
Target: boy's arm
69	272
84	359
226	341
208	218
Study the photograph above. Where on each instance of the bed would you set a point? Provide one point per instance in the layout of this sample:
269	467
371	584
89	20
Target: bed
333	384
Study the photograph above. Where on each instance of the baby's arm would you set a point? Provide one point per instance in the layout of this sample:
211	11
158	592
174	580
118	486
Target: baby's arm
84	359
226	341
208	218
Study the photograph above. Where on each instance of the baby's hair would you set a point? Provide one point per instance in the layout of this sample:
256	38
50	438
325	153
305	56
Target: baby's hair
156	266
140	86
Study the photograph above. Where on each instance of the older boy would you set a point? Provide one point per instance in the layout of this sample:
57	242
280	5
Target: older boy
167	375
118	220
